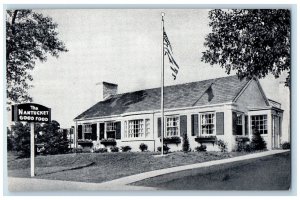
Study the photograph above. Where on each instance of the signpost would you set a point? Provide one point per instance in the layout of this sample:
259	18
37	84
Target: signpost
31	112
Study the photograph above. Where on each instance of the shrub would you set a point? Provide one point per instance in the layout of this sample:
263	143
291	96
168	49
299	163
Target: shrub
79	149
257	142
222	145
143	147
166	149
114	149
242	146
201	148
185	144
286	145
100	150
125	148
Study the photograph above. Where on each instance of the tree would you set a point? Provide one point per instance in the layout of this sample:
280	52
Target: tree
257	142
185	144
252	42
10	140
29	37
21	138
54	140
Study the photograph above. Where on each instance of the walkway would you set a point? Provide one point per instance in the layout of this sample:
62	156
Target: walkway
138	177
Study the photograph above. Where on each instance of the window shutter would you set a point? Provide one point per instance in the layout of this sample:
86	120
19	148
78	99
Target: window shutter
234	120
118	130
183	125
195	125
79	132
101	128
159	127
246	125
94	132
220	123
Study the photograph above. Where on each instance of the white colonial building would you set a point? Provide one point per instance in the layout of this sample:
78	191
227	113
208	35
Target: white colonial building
222	108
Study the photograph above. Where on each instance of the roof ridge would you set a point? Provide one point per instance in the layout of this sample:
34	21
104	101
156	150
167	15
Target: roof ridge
171	85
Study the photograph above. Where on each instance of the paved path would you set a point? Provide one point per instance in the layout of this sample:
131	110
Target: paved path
138	177
121	184
44	185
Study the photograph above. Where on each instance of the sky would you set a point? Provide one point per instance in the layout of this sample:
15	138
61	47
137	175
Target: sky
124	47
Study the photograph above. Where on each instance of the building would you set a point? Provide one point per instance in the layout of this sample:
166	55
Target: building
222	108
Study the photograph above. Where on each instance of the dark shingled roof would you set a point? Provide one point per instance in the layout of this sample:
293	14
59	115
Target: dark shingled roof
199	93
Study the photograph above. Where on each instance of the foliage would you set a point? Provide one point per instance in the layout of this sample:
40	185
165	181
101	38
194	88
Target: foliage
201	148
242	146
125	148
165	147
206	139
55	141
114	149
253	42
172	140
109	142
286	145
143	147
10	140
21	138
222	145
79	149
185	144
100	150
257	142
29	37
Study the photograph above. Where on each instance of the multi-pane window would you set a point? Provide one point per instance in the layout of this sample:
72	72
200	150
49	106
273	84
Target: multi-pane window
260	122
207	121
239	124
87	128
110	126
147	127
135	128
172	126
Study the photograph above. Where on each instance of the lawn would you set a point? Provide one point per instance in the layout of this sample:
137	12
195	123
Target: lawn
100	167
265	173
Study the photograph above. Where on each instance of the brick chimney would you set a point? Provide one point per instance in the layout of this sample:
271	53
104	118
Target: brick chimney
108	89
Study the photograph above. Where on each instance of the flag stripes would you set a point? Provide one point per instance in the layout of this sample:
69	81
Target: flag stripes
169	52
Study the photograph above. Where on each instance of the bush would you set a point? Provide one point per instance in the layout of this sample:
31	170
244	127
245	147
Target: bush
222	145
257	142
166	149
242	146
79	149
100	150
143	147
201	148
286	145
114	149
125	148
186	144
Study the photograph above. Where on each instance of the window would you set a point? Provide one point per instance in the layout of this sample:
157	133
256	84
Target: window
135	128
147	127
172	126
207	122
87	128
110	126
239	124
125	129
260	121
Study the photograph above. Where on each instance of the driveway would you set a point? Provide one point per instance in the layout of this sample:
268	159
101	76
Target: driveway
265	173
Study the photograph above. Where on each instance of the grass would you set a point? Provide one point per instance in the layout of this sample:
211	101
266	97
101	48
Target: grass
100	167
266	173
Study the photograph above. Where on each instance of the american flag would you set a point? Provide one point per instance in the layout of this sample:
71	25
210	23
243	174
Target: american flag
169	52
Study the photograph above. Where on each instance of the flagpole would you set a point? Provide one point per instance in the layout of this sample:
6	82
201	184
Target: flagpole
162	85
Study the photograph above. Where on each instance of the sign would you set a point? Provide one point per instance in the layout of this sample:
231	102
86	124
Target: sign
31	112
